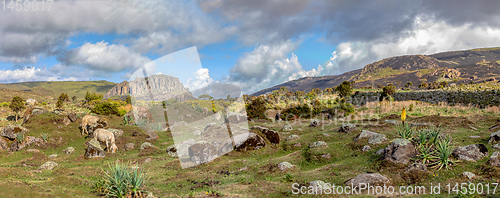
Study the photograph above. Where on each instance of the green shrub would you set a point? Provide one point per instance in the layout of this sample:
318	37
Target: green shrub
45	137
256	109
19	137
404	131
44	103
344	89
347	108
121	181
105	108
302	111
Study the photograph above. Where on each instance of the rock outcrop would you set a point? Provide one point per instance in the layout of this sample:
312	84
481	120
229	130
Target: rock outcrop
471	152
400	151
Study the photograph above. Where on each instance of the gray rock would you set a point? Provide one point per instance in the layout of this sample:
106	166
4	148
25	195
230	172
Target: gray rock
72	117
297	145
3	144
380	152
201	153
393	122
48	165
494	137
292	137
326	156
128	146
400	151
287	127
469	175
11	131
377	139
53	156
318	186
326	134
248	141
69	150
31	102
314	123
151	135
496	146
94	149
318	144
475	136
197	132
348	128
148	160
366	148
146	145
172	151
471	152
235	118
28	141
365	134
494	159
283	166
372	179
116	132
416	166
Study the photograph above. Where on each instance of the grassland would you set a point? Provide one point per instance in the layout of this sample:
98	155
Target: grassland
54	89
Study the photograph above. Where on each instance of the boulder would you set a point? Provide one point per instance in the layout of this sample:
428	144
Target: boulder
469	175
48	165
202	152
235	118
69	150
416	166
3	144
494	159
116	132
287	127
366	148
146	145
496	146
38	111
326	156
365	134
471	152
66	121
318	186
292	137
31	102
318	144
128	146
272	136
11	131
283	166
377	139
348	128
380	152
72	117
172	151
94	149
28	141
151	136
400	151
248	141
314	123
494	137
372	179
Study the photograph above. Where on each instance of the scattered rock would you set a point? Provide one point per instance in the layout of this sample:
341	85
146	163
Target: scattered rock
66	121
366	148
326	134
283	166
148	160
469	175
197	132
287	127
172	151
380	152
244	168
3	144
400	151
318	186
48	165
475	136
38	111
365	134
53	156
494	159
318	144
348	128
494	137
72	117
69	150
31	102
136	133
292	137
326	156
475	129
271	135
146	145
128	146
297	145
33	150
248	141
372	179
11	131
94	149
314	123
471	152
416	166
377	139
151	136
28	141
393	122
496	146
116	132
202	152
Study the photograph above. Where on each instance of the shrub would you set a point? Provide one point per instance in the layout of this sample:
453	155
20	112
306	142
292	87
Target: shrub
44	103
93	96
411	107
105	108
304	111
347	108
121	181
257	109
423	85
17	105
344	89
404	131
387	92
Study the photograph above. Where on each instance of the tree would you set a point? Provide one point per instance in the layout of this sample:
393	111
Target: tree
61	99
128	100
388	91
344	89
423	85
17	105
409	84
73	98
257	108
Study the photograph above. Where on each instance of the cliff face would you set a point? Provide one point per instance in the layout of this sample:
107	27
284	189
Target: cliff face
159	87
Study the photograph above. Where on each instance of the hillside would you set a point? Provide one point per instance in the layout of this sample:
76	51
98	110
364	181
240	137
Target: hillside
55	88
457	66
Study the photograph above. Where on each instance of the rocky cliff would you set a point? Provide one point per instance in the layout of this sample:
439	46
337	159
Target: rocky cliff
158	87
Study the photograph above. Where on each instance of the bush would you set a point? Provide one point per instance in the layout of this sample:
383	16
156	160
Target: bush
17	105
121	181
347	108
257	109
344	89
105	108
303	111
93	96
387	92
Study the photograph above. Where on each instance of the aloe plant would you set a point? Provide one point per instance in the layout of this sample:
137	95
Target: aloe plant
404	130
444	150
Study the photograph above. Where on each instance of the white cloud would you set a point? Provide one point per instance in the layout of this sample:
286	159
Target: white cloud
30	74
201	79
104	57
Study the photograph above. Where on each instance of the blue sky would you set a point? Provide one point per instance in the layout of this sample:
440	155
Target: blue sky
251	44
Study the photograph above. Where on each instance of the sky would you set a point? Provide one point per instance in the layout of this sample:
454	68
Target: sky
251	44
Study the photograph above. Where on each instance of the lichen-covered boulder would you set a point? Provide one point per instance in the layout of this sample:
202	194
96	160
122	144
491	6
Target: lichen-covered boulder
69	150
116	132
494	137
248	141
471	152
348	128
11	131
400	151
202	152
494	159
318	144
292	137
287	127
48	165
373	138
372	179
283	166
94	149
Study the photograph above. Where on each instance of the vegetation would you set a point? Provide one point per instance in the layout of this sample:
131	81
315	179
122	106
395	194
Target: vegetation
93	97
121	180
344	89
256	109
107	108
17	105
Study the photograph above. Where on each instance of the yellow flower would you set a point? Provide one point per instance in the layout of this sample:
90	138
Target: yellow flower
403	115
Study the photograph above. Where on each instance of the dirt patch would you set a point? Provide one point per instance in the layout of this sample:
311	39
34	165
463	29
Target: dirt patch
414	176
203	184
149	151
